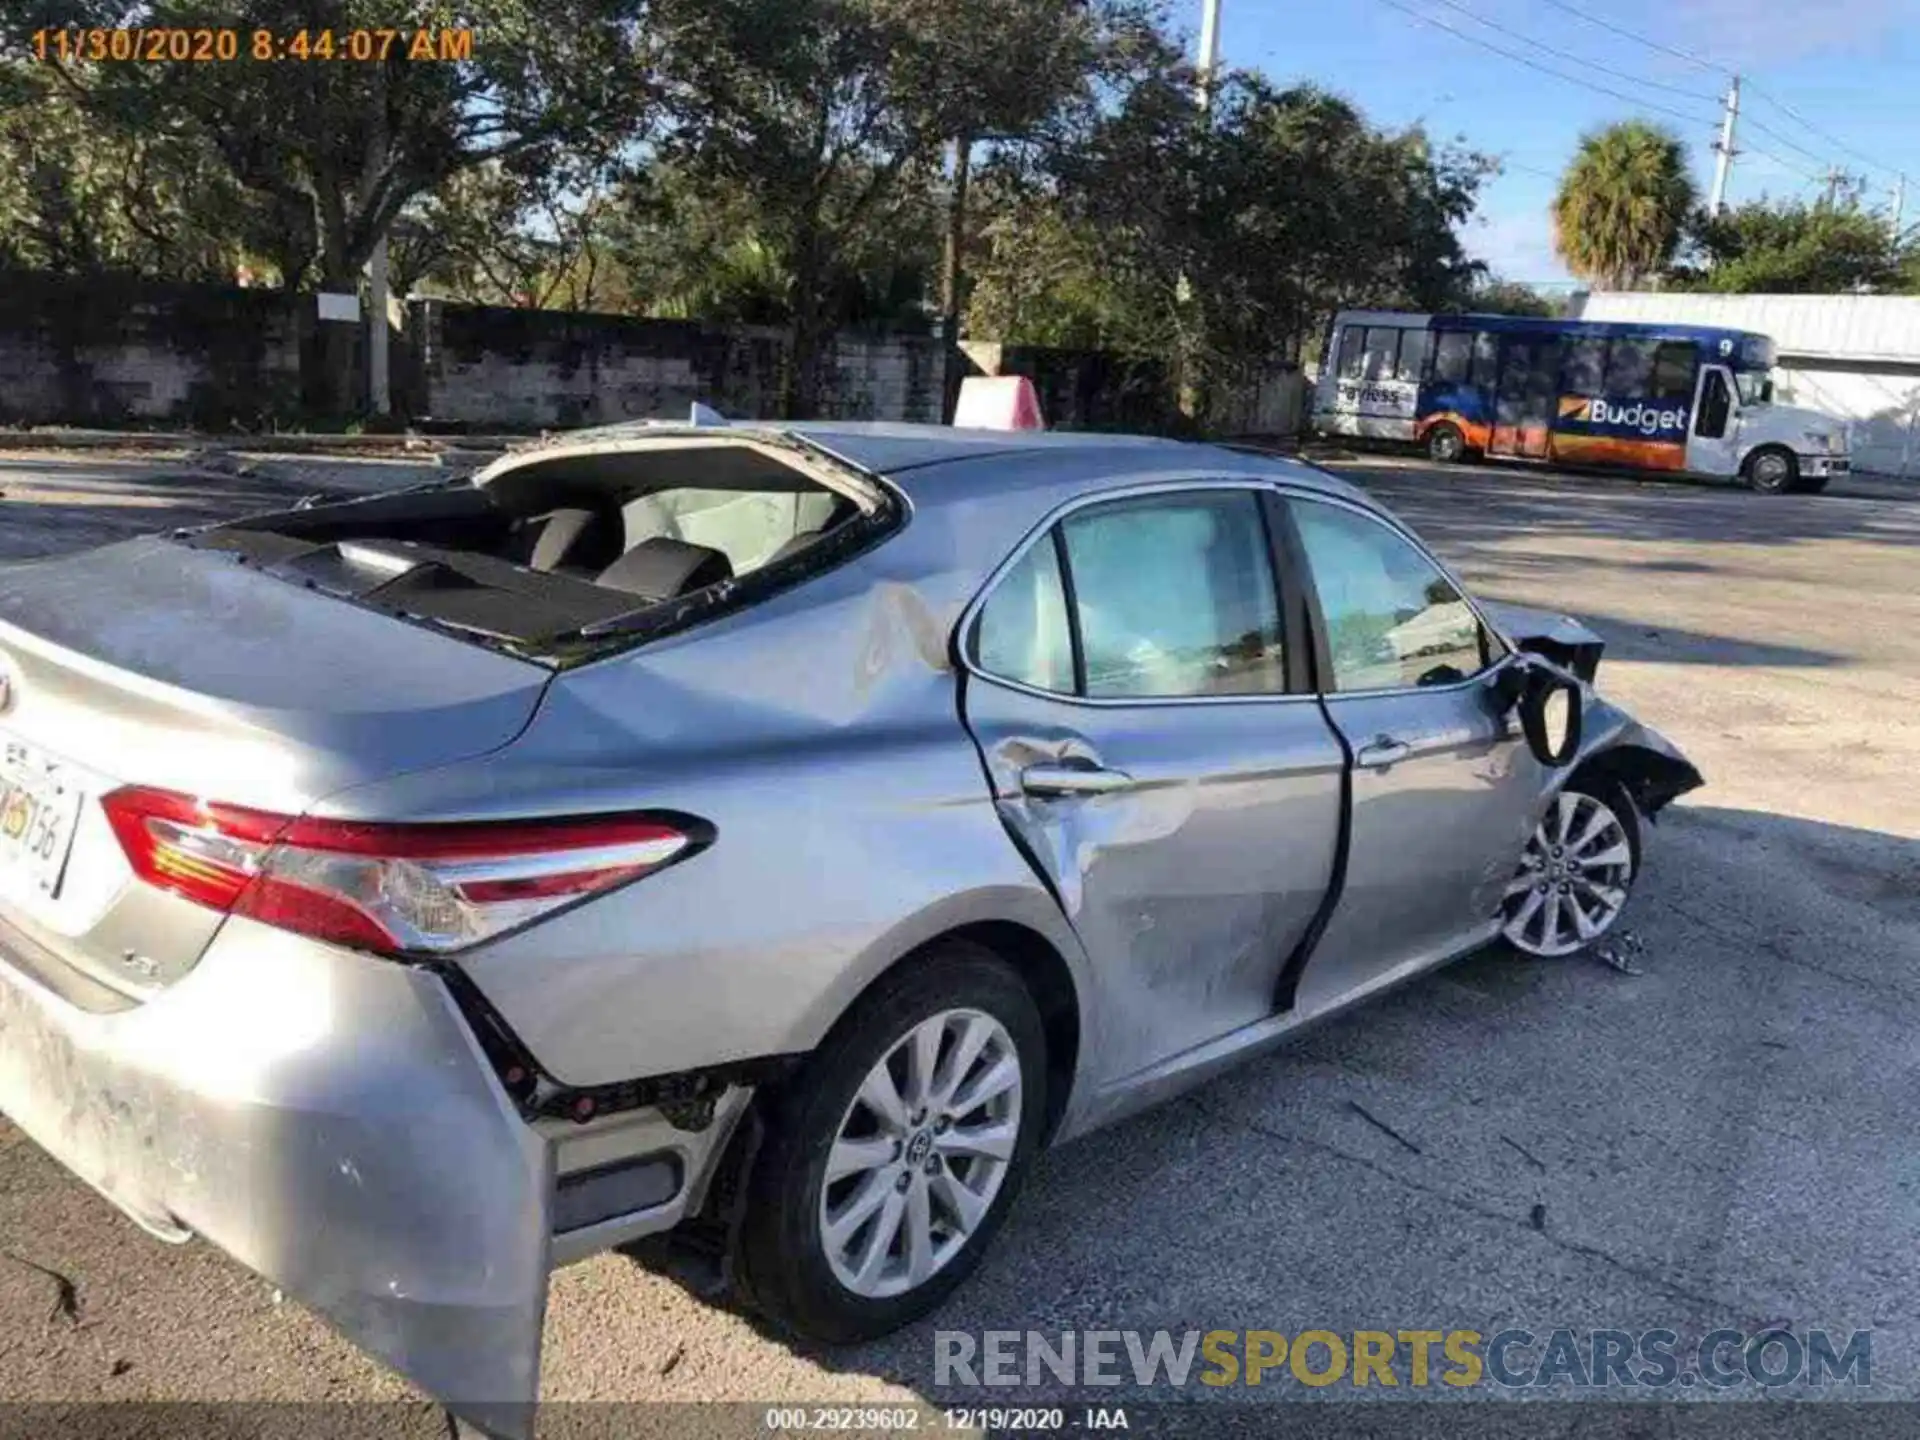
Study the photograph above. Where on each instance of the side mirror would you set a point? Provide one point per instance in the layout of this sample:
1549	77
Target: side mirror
1550	710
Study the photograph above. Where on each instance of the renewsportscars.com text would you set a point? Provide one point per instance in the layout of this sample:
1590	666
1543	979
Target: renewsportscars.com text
1514	1358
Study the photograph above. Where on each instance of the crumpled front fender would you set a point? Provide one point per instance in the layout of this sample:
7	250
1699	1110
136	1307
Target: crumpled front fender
1652	767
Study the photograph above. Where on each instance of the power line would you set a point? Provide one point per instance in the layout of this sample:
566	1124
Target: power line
1533	64
1762	91
1768	130
1582	60
1638	39
1828	136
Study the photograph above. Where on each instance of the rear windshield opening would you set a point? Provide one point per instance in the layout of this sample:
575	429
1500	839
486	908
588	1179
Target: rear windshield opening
553	555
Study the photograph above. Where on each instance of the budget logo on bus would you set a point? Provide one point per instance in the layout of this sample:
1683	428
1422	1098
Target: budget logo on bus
1640	416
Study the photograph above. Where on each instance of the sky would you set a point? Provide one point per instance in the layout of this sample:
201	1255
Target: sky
1848	68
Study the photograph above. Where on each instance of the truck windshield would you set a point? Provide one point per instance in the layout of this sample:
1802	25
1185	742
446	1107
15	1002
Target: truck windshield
1755	387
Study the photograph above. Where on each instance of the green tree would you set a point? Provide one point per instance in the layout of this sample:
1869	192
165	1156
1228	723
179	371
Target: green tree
1226	238
1623	203
1787	247
76	197
1507	297
327	155
826	111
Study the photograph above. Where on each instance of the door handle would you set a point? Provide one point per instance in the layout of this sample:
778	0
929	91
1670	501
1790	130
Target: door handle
1380	751
1049	780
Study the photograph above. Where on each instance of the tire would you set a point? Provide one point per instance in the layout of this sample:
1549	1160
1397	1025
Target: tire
1772	470
1445	444
1549	878
787	1267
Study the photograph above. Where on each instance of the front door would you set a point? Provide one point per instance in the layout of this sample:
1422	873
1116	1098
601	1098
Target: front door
1712	440
1147	725
1443	788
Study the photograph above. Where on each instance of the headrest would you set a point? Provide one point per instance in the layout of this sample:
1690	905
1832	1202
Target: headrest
661	568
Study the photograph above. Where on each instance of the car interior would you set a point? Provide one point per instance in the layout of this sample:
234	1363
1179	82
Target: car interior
554	546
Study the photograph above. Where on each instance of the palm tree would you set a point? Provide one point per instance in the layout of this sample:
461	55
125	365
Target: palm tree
1618	214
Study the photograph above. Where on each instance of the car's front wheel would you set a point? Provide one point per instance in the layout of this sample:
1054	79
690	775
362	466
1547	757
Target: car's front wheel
1576	873
893	1155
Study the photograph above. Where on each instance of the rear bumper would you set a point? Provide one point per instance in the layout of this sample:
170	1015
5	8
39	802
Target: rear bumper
327	1120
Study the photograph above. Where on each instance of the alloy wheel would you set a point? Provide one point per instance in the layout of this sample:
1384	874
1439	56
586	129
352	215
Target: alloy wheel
920	1153
1573	878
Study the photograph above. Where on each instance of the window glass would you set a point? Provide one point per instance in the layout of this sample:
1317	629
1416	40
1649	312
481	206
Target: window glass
1022	633
1382	342
1393	620
1486	350
1673	371
1413	355
1176	597
1352	339
1629	368
1586	365
1452	355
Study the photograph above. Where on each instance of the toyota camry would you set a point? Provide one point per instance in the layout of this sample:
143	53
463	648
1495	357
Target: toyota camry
777	832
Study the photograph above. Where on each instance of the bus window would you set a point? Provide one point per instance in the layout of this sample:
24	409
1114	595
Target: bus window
1629	367
1452	355
1413	355
1351	337
1586	364
1673	371
1486	350
1382	343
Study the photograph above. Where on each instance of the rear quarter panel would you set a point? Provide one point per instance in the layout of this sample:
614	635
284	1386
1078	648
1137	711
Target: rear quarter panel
820	736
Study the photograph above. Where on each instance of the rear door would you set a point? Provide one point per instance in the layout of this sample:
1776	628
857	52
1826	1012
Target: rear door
1145	717
1443	785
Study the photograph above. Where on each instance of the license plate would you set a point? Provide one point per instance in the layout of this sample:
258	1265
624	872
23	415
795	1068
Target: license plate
39	808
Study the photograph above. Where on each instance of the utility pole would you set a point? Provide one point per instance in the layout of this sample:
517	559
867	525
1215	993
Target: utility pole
1899	200
1203	97
1209	49
953	263
1723	161
378	391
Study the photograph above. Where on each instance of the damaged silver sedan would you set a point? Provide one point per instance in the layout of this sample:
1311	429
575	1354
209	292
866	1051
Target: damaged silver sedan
778	831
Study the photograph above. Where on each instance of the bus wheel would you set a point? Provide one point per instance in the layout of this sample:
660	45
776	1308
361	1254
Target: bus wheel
1771	470
1446	444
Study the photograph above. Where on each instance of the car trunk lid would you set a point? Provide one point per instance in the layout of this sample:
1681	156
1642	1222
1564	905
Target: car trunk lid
156	664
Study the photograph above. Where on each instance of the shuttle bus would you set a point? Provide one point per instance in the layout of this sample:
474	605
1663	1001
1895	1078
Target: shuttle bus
1682	398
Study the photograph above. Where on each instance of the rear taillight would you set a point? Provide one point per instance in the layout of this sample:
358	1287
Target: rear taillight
388	888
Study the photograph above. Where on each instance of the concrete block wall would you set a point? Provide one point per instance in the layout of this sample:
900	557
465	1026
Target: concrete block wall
112	350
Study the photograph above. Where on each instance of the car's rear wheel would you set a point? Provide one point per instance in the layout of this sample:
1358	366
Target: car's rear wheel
1772	470
1576	873
892	1157
1446	444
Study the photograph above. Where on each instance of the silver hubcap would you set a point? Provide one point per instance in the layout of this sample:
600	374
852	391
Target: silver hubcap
1771	470
1573	879
921	1153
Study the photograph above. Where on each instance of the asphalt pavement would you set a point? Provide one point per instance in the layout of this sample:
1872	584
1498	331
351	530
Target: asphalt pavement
1719	1140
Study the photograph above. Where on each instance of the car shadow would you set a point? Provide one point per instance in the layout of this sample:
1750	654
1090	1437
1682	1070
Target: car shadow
1691	1135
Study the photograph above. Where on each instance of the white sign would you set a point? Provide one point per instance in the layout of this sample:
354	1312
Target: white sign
1390	399
339	307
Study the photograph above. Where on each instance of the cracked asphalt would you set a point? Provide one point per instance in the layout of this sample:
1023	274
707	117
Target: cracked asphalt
1721	1140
